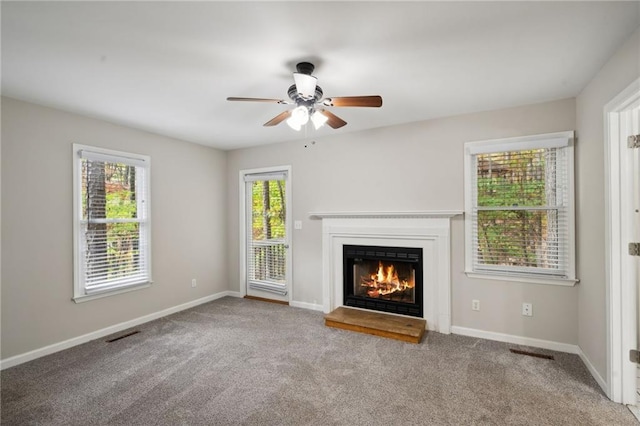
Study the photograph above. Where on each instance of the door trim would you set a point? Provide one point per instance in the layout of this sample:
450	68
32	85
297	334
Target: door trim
620	292
243	226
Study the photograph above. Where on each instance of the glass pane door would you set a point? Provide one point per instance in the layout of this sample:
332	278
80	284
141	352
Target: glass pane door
267	243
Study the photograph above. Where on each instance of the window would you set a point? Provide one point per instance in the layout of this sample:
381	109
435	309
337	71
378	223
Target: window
519	210
111	222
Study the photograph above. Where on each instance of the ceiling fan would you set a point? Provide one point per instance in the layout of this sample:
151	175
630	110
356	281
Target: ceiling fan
306	95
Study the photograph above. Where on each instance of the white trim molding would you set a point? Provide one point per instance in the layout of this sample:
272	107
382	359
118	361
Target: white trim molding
621	298
530	280
75	341
306	305
432	234
534	343
565	272
516	340
89	286
242	232
388	215
596	375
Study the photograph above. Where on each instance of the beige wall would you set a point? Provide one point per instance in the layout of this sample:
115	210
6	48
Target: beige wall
188	225
615	76
416	166
195	214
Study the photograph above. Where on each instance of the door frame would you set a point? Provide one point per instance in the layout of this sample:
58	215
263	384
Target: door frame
621	292
243	226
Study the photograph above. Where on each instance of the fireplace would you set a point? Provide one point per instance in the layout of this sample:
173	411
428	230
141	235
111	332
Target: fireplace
387	279
428	231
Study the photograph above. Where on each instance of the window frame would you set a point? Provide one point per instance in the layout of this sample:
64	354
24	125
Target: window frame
80	292
496	272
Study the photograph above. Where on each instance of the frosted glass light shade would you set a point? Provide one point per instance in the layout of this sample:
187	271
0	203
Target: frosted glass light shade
318	119
305	85
299	117
295	126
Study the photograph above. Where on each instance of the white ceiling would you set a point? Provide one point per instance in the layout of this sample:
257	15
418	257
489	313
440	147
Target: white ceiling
167	67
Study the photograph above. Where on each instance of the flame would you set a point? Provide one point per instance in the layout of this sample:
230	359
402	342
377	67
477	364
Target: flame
385	281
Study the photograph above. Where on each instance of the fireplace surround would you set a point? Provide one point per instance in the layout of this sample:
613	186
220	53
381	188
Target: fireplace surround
429	231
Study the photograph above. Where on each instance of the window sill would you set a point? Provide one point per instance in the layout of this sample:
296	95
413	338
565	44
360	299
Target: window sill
111	292
565	282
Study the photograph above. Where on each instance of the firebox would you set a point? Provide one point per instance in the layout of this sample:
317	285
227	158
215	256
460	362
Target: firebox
387	279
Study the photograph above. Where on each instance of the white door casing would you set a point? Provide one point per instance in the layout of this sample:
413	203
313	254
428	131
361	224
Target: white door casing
621	289
280	292
634	153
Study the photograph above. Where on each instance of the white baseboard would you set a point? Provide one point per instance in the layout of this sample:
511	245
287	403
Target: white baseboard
594	372
501	337
536	343
57	347
305	305
517	340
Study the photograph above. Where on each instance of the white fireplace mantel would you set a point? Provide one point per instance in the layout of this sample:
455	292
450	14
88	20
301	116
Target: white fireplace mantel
389	215
427	230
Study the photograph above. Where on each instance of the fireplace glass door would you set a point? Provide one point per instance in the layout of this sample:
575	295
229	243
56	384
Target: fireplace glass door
385	279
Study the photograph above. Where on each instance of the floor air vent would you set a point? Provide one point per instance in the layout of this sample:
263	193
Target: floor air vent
123	336
519	352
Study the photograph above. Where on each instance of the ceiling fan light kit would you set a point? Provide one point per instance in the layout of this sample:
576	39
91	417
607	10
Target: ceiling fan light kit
306	95
318	119
299	117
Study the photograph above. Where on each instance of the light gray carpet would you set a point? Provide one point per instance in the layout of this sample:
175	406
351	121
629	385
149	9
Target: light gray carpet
236	361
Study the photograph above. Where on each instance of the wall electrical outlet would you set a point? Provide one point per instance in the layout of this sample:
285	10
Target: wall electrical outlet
475	305
297	224
527	309
193	283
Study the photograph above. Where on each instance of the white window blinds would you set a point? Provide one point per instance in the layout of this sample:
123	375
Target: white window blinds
113	247
521	212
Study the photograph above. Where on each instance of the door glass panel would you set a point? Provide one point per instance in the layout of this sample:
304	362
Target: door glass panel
267	248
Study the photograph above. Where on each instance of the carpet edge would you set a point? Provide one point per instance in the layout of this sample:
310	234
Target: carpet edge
75	341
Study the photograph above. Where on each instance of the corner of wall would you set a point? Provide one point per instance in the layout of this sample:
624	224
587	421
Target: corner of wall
618	72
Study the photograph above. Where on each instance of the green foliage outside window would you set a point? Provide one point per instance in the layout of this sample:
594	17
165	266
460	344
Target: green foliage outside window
510	236
268	219
267	224
108	192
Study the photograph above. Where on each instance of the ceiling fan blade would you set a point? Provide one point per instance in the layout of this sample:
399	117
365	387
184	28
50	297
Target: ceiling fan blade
278	118
333	121
276	101
354	101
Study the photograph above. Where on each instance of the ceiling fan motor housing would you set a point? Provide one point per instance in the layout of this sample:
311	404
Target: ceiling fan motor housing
305	68
295	97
